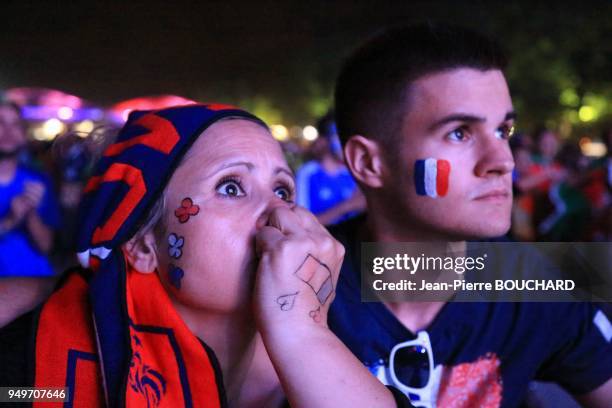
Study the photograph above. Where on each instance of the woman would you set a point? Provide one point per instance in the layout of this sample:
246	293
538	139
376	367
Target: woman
195	245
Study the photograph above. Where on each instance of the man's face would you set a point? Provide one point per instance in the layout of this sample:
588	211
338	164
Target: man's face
463	116
11	132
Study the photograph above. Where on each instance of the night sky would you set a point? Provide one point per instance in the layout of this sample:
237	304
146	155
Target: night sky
286	51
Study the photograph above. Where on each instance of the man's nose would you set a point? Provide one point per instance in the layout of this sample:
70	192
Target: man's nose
272	203
495	158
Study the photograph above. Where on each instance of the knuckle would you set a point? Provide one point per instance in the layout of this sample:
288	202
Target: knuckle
340	250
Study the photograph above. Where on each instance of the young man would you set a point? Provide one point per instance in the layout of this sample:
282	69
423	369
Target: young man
439	92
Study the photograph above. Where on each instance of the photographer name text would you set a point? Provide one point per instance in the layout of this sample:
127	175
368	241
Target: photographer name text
460	284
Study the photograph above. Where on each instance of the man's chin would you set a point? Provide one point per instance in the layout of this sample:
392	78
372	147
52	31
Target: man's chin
491	231
479	231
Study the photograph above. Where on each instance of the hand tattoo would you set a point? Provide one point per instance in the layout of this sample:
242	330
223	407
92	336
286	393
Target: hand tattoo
315	314
316	275
286	302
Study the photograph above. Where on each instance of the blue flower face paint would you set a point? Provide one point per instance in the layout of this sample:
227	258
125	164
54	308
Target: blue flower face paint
176	274
175	245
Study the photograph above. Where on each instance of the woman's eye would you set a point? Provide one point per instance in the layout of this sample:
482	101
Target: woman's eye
504	132
283	193
457	135
230	188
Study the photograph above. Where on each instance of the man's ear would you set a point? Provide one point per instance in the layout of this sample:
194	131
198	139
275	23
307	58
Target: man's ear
364	158
141	252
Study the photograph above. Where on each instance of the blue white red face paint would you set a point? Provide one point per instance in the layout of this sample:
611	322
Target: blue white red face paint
431	177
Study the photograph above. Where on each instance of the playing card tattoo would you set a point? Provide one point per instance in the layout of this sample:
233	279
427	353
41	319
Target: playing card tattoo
318	276
286	302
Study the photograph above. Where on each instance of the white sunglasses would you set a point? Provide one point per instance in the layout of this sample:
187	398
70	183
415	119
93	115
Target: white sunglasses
407	364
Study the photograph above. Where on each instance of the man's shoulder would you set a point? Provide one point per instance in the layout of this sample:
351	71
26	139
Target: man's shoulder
347	231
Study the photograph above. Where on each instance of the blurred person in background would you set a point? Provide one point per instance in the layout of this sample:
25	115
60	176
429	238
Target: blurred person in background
543	171
74	155
597	188
28	218
325	186
522	207
567	209
535	180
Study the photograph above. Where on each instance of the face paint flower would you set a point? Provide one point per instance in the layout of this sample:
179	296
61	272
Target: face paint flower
186	210
175	245
176	275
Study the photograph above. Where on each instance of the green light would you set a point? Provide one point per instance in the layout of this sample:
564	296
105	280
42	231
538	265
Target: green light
587	113
569	97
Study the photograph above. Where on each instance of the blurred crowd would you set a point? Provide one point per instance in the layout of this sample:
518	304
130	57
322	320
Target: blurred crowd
560	194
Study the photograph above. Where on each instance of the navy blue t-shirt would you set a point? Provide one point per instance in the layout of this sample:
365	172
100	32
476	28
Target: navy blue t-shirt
485	353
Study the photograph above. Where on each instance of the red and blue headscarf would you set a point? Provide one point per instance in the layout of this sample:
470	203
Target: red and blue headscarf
110	333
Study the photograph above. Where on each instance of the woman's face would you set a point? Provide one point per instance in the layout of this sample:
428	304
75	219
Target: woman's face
233	175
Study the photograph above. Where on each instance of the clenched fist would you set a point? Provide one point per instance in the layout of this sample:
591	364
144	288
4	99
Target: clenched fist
297	272
28	201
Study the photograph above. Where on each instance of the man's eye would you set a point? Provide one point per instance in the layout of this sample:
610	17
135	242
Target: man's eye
284	193
230	188
457	135
504	132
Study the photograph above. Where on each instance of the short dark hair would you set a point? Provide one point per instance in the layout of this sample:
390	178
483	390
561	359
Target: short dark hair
371	90
326	126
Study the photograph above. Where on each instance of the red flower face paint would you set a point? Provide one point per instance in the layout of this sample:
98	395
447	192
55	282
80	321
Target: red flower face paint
186	210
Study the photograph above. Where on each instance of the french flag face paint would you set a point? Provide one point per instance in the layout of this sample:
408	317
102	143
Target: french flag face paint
431	177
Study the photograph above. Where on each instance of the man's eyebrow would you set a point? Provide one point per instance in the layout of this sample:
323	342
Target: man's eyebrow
510	116
464	117
455	117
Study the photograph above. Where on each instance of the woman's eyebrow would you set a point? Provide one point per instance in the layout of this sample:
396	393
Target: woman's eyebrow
284	170
250	166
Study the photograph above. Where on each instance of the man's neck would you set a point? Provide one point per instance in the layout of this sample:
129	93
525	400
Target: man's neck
415	316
